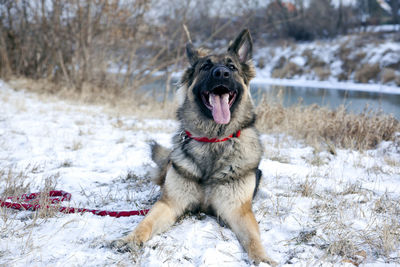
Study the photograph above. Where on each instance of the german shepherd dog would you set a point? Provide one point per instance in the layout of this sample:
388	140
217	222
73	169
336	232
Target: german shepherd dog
213	165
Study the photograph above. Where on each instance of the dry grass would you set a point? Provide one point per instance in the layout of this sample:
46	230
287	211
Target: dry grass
349	62
388	75
367	72
15	183
18	182
133	102
317	125
347	243
289	70
323	73
261	63
307	189
312	60
398	80
348	224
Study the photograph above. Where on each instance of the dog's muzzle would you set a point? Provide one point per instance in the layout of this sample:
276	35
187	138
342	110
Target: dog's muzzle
221	96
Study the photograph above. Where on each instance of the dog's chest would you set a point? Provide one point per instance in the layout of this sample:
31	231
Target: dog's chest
214	160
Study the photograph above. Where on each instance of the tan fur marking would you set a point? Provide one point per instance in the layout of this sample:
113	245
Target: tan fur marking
159	179
243	223
190	95
237	213
160	217
178	194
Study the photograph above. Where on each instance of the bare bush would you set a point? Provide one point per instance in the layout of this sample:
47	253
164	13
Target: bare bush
104	43
123	44
367	72
289	70
322	73
388	75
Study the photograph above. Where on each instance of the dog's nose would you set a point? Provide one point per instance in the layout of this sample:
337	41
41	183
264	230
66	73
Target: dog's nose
221	72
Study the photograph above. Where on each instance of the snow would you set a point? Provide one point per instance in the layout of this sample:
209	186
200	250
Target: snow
298	60
307	3
378	28
103	160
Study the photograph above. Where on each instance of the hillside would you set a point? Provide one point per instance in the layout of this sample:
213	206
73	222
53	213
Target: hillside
360	58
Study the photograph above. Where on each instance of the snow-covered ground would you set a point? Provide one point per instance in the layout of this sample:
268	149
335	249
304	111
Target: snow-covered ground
313	207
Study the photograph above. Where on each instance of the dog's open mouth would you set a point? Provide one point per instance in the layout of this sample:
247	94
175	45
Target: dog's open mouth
219	100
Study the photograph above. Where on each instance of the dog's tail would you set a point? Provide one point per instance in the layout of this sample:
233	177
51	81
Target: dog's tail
160	155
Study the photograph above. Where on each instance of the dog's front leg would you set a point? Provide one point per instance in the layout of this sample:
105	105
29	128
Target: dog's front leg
161	216
232	204
179	194
243	223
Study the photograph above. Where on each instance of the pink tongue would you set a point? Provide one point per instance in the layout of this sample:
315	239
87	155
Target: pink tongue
220	108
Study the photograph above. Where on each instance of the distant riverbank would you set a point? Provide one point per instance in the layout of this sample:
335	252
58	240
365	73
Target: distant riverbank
372	59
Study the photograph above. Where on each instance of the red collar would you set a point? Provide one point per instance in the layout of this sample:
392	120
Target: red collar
212	140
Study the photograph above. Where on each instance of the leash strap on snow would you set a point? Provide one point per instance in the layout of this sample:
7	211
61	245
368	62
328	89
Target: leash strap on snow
57	196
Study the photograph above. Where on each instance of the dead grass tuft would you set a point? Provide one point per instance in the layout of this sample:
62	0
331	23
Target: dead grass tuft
312	60
261	63
388	75
50	183
317	125
307	189
323	73
342	246
398	80
289	70
17	183
367	72
350	62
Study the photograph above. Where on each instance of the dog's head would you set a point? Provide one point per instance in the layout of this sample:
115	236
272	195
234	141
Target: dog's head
218	83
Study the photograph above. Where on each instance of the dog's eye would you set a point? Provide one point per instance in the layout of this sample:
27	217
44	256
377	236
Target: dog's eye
232	67
206	66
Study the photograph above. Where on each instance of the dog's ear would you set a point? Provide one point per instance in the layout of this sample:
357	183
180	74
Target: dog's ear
191	53
242	46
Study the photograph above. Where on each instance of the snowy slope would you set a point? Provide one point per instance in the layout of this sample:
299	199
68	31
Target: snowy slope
314	208
359	58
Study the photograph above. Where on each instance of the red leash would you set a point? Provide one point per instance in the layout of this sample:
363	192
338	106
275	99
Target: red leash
32	203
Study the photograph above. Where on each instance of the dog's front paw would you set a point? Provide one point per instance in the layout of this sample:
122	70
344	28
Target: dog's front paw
262	257
122	245
140	235
265	259
132	241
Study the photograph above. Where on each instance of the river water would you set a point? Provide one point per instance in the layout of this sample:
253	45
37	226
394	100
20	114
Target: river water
354	101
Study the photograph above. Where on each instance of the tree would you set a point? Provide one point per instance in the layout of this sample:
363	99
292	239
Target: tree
395	10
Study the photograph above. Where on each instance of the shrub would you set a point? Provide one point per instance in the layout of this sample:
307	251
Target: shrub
398	80
388	75
289	70
367	72
322	73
